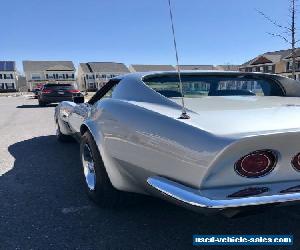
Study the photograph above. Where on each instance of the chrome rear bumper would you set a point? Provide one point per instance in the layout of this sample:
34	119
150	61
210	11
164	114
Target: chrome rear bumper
192	198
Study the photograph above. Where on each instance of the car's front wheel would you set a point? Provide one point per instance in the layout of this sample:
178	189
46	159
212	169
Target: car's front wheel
97	182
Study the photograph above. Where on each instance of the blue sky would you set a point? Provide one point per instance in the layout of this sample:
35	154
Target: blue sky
138	31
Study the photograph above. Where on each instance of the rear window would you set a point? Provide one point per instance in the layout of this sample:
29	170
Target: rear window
59	86
197	85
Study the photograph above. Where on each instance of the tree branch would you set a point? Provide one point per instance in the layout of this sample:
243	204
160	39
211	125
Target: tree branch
271	20
280	36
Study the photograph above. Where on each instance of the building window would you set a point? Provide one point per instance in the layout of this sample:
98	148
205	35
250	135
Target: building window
270	68
50	76
1	85
0	76
290	66
8	76
69	76
92	85
10	85
35	76
60	76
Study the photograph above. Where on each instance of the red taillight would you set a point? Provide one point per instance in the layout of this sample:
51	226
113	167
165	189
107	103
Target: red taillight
47	91
74	91
256	164
296	162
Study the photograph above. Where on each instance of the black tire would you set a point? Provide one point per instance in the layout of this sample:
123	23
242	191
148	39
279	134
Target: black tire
41	103
103	193
62	137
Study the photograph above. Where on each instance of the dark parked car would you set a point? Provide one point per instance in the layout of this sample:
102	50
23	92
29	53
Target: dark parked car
52	93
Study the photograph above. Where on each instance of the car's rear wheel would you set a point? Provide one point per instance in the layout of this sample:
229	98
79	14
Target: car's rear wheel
97	182
62	137
41	103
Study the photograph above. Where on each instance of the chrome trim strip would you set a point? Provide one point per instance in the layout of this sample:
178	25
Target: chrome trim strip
190	196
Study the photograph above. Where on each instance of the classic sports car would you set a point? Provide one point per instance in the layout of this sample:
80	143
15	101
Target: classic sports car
237	147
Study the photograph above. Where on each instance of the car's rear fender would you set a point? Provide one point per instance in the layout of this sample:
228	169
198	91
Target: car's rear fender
136	143
118	177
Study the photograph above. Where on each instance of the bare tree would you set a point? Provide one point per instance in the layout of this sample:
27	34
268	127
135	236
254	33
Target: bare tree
286	33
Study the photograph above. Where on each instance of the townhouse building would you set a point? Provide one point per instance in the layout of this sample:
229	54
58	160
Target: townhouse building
8	76
197	67
227	67
93	75
277	62
42	72
150	67
288	65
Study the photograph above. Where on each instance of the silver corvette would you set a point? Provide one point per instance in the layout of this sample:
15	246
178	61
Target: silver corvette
237	148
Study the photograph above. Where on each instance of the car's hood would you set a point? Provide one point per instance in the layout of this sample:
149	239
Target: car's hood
238	115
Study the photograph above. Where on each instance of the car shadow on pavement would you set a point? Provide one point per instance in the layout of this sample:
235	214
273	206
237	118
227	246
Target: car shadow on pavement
30	106
43	205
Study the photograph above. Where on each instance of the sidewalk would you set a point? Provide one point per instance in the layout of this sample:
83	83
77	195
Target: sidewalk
15	94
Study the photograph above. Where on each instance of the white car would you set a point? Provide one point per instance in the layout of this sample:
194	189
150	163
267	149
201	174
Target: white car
238	147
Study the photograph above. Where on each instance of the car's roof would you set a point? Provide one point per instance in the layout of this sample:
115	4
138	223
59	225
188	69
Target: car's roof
141	75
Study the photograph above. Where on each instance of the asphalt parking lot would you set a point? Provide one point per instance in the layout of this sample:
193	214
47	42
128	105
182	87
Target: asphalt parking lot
43	204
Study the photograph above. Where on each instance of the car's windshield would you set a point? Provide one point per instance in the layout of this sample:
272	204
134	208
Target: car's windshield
214	85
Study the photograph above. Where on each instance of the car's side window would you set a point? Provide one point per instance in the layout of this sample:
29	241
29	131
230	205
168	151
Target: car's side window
106	90
109	93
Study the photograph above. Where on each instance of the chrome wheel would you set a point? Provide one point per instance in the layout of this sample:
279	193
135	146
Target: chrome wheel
88	167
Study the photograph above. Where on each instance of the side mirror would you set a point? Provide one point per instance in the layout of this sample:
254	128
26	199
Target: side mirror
78	99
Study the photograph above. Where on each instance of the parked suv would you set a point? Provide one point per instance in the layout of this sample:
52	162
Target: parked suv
52	93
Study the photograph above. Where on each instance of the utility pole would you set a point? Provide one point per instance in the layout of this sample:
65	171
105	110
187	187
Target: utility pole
293	32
